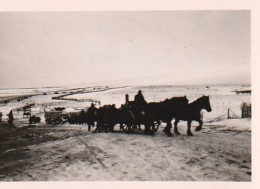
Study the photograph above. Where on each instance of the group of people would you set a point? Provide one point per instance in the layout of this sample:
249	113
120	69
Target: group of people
10	118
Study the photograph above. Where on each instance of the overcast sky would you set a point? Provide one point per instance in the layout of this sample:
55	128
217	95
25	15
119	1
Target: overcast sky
166	47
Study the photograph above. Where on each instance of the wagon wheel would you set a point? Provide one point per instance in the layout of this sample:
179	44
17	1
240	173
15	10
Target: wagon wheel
124	127
132	127
128	128
156	127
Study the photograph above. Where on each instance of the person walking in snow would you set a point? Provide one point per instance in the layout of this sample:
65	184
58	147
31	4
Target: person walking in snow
10	118
1	117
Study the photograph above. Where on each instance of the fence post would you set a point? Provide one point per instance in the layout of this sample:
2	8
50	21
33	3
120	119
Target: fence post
228	114
249	113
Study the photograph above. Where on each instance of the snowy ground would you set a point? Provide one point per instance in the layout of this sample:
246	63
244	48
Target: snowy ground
220	152
71	153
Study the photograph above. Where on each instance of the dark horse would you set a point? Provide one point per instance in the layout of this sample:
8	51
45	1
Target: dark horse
164	111
108	116
192	112
152	114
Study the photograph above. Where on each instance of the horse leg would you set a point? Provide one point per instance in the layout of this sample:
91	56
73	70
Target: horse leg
147	128
167	129
112	128
157	125
134	123
153	129
97	128
106	128
189	126
129	128
175	127
198	128
121	126
133	127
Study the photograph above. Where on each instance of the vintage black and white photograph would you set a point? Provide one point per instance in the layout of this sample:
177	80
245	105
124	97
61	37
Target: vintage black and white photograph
125	96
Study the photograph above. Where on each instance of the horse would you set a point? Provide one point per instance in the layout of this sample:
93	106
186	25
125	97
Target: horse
192	112
152	114
91	116
165	111
138	111
126	118
73	118
82	117
108	116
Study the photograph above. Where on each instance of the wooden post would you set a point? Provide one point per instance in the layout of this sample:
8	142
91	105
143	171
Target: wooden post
228	114
249	111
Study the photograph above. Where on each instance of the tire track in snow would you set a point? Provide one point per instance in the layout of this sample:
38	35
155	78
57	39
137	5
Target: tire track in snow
96	151
174	163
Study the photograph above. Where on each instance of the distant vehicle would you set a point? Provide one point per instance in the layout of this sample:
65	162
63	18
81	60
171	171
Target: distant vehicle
242	91
54	117
60	109
34	119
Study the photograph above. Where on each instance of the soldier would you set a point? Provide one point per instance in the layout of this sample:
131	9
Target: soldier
10	118
1	117
139	99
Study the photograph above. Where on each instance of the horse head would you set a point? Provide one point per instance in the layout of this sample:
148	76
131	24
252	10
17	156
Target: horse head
206	104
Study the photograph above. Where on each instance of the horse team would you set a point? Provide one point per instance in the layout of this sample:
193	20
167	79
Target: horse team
134	114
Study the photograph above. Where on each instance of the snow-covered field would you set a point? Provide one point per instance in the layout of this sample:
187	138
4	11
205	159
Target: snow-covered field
220	152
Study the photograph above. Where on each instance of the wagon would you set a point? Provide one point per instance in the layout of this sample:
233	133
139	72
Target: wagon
54	117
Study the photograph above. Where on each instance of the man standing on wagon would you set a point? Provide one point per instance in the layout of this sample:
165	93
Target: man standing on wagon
139	99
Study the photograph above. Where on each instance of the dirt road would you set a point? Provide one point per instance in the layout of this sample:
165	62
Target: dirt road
50	153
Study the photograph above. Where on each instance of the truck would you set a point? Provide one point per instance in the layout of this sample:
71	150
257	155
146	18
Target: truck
55	117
